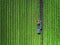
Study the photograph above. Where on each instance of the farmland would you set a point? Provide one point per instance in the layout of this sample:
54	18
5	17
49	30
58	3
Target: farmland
18	22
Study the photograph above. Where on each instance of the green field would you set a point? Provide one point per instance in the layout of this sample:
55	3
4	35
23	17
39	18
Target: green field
18	22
